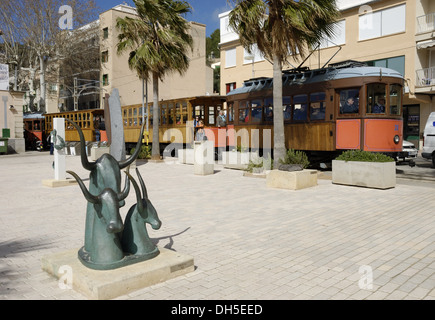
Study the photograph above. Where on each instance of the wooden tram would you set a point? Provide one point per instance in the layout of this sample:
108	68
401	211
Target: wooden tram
87	120
316	118
34	132
175	118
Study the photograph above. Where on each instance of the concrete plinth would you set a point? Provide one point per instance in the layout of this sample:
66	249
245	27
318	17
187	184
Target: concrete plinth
98	152
203	158
109	284
293	180
53	183
186	156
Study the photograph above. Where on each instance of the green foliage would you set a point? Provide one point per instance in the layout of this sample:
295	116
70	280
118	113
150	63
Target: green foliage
145	152
296	157
359	155
254	164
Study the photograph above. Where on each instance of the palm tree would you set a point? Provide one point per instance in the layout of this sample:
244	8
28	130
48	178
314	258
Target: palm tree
281	28
158	40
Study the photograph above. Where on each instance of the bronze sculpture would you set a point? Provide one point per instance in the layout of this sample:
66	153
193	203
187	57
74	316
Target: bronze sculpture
104	197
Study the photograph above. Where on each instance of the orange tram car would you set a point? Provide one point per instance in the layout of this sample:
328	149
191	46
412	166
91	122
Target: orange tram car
347	106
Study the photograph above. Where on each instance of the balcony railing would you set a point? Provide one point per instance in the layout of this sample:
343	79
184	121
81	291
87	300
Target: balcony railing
426	77
426	23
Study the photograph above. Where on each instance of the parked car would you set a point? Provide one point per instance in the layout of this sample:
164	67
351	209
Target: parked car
409	152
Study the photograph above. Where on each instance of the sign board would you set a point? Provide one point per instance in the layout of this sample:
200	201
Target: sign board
4	77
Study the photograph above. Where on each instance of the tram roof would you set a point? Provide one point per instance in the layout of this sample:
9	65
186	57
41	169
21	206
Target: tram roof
318	75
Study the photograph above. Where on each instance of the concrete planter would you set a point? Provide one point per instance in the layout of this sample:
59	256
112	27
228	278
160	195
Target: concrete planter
378	175
293	180
238	160
97	152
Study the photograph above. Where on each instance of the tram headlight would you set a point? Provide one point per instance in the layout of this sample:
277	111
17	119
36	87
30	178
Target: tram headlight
396	139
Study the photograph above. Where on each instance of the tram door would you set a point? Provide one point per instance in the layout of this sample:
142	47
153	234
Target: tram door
348	125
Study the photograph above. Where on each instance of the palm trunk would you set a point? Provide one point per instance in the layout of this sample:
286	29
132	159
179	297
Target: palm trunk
279	149
155	152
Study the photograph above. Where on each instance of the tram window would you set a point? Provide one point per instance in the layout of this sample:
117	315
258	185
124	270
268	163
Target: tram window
230	112
268	109
163	121
376	93
317	106
243	111
210	115
256	111
300	107
287	108
184	111
395	99
151	115
349	101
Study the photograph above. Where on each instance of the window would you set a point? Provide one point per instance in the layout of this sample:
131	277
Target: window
395	99
317	106
105	79
339	35
376	98
382	22
105	56
349	101
230	112
256	111
395	63
211	115
287	107
243	111
300	107
231	86
255	55
268	109
105	33
230	58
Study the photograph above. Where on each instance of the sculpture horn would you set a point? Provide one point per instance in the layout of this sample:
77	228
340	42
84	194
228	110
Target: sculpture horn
125	192
90	166
142	184
129	161
136	188
91	198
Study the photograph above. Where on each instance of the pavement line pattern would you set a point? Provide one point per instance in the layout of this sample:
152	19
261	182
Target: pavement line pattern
248	241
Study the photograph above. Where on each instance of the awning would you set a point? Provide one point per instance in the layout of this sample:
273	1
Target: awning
425	44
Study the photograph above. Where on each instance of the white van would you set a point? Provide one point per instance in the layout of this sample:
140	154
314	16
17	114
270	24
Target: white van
429	139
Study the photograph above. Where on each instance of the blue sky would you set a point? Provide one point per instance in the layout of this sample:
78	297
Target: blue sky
203	11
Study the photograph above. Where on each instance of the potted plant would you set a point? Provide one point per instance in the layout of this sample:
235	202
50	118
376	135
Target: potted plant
238	158
364	169
292	173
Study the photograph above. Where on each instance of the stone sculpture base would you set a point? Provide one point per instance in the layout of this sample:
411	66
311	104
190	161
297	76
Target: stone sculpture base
109	284
53	183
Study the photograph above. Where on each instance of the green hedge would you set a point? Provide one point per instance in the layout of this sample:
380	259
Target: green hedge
359	155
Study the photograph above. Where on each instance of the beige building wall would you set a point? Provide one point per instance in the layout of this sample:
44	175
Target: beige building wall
11	117
404	43
195	82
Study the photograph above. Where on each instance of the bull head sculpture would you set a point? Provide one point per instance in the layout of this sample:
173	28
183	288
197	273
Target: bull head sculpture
105	246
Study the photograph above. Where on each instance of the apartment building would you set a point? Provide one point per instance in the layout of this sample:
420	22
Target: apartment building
115	72
398	34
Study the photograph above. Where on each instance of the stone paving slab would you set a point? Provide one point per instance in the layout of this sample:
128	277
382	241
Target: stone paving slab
248	241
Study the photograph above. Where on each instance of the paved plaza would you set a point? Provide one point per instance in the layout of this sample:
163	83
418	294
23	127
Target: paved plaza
248	241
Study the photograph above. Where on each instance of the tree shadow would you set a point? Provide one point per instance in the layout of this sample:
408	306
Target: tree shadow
9	273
